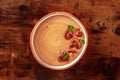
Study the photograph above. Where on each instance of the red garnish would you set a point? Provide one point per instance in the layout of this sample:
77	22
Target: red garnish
63	57
78	33
72	51
68	35
75	43
71	34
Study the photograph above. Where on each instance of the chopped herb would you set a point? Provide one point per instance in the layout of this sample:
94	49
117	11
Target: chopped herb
70	27
66	56
82	41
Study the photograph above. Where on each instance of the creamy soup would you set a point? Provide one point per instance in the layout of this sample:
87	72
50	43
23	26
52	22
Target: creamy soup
58	40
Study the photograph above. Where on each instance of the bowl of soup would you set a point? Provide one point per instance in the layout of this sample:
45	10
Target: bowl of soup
58	40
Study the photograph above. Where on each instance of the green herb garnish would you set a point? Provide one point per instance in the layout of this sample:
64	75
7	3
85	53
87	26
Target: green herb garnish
70	27
66	56
82	41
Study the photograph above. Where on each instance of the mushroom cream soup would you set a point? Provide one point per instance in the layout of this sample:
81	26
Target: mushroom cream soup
58	40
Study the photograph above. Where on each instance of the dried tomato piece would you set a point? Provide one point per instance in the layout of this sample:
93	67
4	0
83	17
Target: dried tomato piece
63	57
68	35
72	51
78	33
75	43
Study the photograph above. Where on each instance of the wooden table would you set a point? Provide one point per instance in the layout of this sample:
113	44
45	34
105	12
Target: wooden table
101	19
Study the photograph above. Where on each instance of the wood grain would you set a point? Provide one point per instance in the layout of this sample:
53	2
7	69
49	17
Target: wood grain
101	19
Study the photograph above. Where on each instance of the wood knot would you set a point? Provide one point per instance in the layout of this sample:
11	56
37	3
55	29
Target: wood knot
116	17
1	66
23	8
117	30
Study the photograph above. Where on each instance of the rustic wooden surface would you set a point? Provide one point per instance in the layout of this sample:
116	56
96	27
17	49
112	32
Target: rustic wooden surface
101	60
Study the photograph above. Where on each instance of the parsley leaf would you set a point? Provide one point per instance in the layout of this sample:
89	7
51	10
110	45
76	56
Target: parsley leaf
82	41
70	27
66	56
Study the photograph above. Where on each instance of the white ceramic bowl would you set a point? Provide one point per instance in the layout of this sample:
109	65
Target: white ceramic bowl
35	54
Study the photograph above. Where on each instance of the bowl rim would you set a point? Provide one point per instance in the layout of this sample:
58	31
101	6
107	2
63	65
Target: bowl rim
66	66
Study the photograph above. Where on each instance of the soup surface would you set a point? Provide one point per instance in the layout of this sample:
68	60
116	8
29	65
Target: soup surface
58	40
